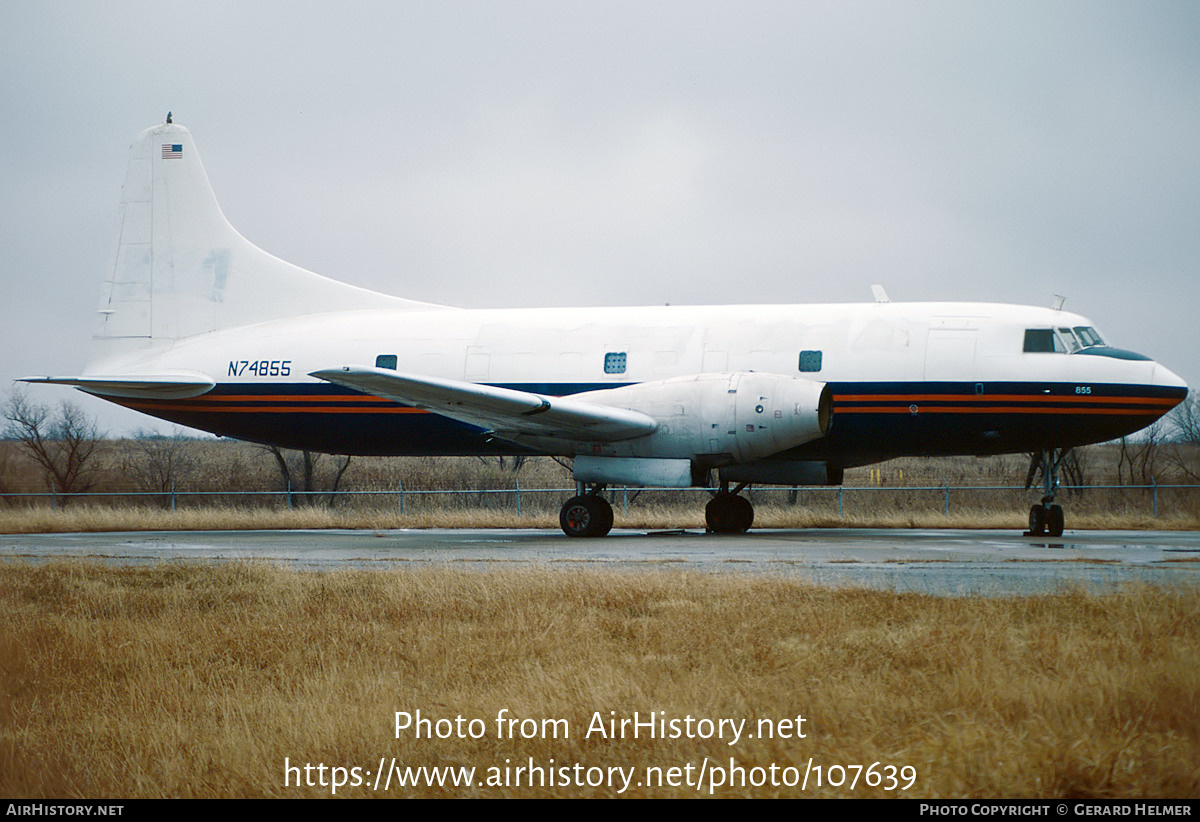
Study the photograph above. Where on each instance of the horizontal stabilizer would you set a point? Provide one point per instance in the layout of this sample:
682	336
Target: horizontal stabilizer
504	411
149	386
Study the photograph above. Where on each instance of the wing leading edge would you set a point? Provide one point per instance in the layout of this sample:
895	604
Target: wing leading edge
503	411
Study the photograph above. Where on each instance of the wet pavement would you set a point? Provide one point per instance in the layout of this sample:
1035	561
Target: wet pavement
944	562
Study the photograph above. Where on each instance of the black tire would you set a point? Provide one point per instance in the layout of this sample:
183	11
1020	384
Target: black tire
718	515
1054	520
744	512
728	514
606	512
586	516
1037	520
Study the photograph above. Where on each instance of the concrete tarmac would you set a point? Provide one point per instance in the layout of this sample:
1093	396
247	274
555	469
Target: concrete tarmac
942	562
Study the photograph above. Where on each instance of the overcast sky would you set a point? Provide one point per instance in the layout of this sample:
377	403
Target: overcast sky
623	153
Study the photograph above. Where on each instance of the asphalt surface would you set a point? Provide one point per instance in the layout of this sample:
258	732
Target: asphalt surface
943	562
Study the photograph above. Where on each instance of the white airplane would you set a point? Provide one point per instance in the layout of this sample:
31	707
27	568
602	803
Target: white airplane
202	328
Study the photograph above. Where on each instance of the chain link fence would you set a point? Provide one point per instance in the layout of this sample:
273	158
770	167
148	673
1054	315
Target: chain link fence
842	501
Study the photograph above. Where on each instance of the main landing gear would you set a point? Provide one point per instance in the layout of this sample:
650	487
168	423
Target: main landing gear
1047	518
587	514
727	513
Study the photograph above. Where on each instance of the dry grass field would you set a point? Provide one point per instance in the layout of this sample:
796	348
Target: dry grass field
203	680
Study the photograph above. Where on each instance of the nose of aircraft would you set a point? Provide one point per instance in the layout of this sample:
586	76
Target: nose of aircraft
1167	378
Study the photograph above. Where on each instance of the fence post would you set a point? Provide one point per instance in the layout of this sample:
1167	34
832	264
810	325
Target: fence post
625	501
518	481
839	502
1155	495
289	494
400	485
172	495
946	509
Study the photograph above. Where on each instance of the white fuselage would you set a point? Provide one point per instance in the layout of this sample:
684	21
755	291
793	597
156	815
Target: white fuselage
886	342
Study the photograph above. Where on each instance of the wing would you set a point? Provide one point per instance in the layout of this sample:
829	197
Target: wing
503	411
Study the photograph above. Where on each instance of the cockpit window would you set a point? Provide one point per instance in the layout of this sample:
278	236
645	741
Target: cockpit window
1068	338
1088	336
1062	340
1042	341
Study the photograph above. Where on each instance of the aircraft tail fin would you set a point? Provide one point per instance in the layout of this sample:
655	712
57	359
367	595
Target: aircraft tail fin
180	269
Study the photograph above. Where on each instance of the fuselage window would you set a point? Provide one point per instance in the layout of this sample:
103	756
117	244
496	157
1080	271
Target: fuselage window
386	361
614	362
810	360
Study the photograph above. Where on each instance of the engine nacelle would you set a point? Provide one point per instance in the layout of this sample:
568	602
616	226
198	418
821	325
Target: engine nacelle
719	419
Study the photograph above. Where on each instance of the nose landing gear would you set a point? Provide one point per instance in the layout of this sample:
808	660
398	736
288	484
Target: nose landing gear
1047	518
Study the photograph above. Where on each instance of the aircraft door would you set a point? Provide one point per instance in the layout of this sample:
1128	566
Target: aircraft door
950	355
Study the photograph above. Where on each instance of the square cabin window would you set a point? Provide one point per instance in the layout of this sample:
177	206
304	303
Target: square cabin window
614	362
810	360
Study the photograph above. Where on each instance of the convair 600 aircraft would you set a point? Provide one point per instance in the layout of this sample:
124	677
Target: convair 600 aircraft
202	328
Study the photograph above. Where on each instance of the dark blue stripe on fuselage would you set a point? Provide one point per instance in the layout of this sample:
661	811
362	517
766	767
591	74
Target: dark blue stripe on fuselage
871	421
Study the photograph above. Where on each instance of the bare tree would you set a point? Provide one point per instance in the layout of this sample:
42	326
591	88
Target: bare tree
1184	455
5	468
159	462
515	466
1137	459
301	474
1075	467
63	443
1184	420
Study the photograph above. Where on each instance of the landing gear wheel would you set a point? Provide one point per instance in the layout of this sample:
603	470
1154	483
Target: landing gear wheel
728	514
1037	521
1054	520
606	512
586	516
1046	519
744	513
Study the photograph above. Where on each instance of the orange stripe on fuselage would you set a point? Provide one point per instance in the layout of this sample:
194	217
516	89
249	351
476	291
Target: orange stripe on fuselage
294	398
266	409
976	398
1004	409
943	404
